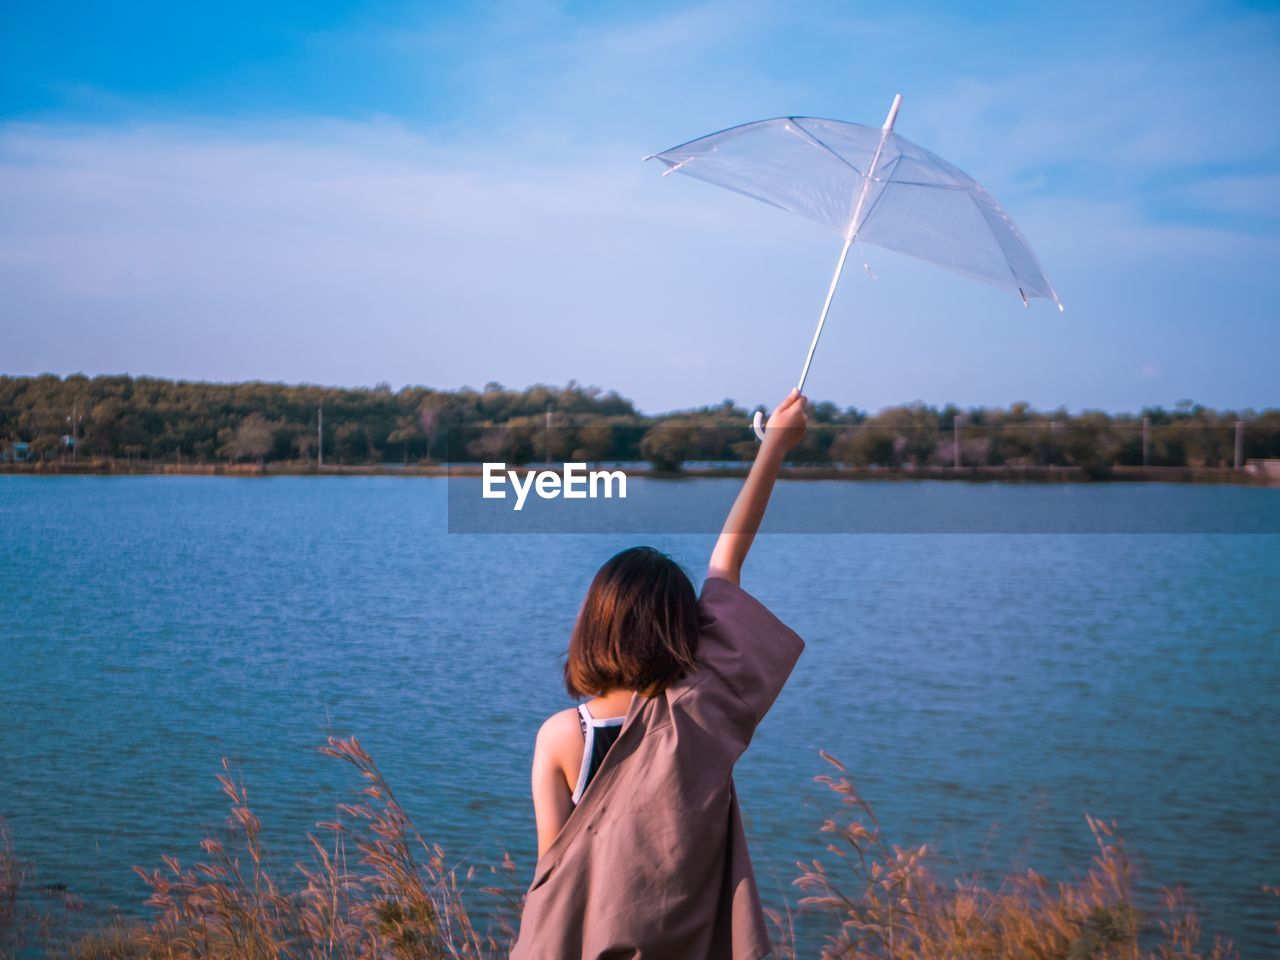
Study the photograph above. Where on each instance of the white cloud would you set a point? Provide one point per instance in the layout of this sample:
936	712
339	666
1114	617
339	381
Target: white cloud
357	253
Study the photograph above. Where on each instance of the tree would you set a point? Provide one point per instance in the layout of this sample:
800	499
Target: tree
305	443
915	430
45	447
865	446
406	430
430	416
667	445
172	421
101	432
1091	444
253	438
349	442
595	442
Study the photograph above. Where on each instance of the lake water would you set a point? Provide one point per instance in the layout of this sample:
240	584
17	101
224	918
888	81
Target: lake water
984	690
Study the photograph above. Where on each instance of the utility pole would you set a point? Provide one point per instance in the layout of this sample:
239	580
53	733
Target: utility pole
1146	441
75	418
1239	444
320	435
955	432
548	435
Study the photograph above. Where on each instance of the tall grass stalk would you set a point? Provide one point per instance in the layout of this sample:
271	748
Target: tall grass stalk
375	889
883	901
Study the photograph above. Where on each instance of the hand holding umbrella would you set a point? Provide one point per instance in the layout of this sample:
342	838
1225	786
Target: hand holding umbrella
868	184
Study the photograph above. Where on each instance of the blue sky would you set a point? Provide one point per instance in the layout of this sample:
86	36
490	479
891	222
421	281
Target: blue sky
452	194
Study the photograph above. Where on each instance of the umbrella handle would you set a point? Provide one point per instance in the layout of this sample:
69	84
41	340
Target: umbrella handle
757	424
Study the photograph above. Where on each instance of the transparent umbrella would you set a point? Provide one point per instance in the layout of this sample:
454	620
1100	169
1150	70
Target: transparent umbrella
871	185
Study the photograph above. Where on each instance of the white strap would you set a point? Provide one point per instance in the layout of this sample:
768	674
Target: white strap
587	746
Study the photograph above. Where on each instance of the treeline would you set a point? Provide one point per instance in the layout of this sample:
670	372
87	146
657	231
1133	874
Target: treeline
49	418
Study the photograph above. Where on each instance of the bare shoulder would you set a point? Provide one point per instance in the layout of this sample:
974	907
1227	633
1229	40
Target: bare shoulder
559	733
559	746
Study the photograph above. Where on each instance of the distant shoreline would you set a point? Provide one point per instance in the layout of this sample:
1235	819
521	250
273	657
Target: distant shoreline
987	474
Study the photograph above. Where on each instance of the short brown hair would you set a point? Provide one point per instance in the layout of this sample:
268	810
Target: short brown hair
638	627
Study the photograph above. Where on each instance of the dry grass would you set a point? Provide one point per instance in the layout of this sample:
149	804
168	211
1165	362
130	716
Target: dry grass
375	889
885	902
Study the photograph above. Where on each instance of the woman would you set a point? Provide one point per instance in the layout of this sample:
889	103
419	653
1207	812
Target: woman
641	850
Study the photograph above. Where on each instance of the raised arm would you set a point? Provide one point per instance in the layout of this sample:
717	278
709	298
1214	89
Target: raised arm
785	429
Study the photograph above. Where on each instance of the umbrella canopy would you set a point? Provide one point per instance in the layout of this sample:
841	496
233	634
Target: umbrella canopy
916	203
868	184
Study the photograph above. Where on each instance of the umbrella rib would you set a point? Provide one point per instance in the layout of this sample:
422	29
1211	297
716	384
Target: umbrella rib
1013	274
935	186
866	217
1026	247
735	130
794	121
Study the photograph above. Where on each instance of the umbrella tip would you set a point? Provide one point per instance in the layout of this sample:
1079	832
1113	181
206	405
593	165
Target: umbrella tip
893	112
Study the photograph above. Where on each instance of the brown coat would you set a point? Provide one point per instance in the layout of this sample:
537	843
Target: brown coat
652	864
